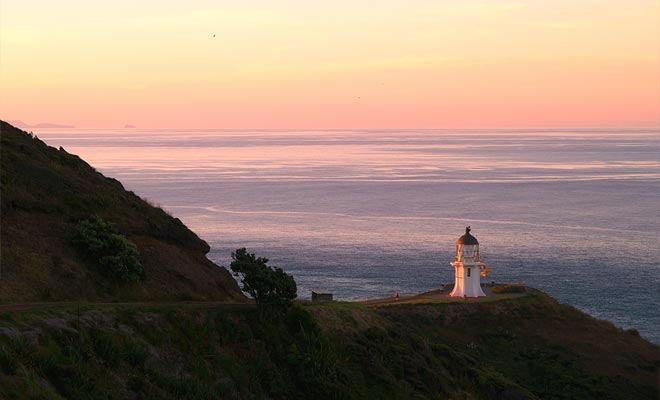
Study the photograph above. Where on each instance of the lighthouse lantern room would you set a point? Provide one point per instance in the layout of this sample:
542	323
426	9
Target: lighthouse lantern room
468	267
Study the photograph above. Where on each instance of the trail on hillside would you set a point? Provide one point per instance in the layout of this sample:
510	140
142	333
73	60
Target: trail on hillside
36	306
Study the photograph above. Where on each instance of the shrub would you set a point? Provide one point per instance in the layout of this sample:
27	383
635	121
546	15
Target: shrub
299	320
8	362
509	289
116	256
271	288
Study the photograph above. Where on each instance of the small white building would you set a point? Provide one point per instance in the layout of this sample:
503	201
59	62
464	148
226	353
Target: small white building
468	267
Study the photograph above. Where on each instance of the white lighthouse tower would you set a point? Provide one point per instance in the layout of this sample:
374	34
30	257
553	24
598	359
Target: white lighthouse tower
468	267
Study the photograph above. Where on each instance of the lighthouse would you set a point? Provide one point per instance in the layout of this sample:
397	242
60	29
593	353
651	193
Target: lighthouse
468	267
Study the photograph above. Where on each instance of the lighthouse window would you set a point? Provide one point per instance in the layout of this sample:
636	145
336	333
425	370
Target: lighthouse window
468	271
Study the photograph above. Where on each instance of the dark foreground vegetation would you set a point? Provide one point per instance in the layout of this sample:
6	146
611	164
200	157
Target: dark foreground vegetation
525	348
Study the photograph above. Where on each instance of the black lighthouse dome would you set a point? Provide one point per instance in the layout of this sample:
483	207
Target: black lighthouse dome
467	238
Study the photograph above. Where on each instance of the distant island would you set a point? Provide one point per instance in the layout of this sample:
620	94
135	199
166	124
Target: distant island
103	295
41	125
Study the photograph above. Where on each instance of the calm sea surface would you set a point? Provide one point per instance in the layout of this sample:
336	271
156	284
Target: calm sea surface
367	213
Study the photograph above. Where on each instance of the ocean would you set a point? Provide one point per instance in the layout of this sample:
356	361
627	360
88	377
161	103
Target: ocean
368	213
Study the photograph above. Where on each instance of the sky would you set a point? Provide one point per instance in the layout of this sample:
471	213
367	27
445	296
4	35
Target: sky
299	64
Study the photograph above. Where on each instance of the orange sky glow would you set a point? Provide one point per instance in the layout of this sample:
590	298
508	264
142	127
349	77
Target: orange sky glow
342	64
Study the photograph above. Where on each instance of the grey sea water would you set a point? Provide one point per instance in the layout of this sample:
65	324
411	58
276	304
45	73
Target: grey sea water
367	213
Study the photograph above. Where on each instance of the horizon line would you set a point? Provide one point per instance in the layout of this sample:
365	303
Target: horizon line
510	128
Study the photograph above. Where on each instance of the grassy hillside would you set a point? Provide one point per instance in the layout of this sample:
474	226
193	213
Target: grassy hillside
47	192
519	348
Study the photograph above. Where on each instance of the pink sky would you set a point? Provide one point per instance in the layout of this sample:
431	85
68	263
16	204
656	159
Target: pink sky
348	64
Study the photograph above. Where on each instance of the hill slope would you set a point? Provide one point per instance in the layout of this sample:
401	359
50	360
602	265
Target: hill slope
529	347
46	192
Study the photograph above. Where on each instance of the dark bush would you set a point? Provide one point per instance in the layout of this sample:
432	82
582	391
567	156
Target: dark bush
8	362
299	320
116	256
57	262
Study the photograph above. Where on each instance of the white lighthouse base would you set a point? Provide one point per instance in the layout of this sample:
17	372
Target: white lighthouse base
467	282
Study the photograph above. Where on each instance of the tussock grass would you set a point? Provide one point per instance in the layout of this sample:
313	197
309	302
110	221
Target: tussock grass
509	289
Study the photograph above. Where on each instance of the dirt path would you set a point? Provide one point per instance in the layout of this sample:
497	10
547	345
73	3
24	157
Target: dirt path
17	307
433	296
